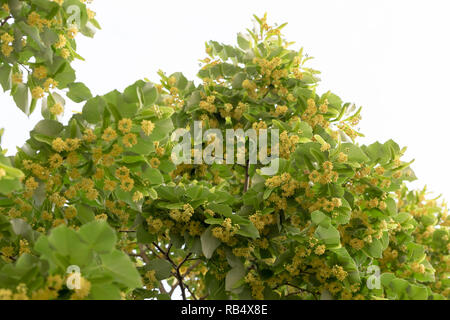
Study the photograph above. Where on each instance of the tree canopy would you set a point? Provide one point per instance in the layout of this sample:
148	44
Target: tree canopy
102	192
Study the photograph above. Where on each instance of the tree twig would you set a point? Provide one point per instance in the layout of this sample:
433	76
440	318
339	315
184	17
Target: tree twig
192	294
189	270
146	259
247	178
4	21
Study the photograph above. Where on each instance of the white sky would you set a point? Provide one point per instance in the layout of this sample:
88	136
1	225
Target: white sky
391	57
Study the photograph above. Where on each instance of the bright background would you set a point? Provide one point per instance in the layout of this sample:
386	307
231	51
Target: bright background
391	57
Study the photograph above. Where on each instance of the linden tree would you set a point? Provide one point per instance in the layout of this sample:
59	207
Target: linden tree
99	208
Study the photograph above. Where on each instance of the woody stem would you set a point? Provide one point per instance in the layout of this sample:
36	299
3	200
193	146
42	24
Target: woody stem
247	178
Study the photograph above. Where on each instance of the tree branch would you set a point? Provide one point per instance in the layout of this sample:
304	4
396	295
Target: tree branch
4	21
177	273
146	259
189	270
192	294
247	178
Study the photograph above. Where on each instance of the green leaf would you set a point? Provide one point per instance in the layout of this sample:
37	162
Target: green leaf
222	209
22	228
233	277
153	176
50	128
354	153
238	79
65	76
243	41
209	242
330	236
143	236
78	92
33	32
99	236
61	239
374	249
93	110
416	252
104	291
20	97
162	268
119	266
347	262
11	172
181	81
417	292
9	185
84	214
149	94
5	76
248	230
319	218
67	244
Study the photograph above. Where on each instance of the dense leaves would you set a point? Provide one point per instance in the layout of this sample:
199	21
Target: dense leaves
102	193
37	49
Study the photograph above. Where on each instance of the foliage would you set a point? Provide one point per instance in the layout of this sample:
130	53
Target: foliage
38	40
315	230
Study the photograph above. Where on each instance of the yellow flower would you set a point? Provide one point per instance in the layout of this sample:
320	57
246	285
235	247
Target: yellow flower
5	294
99	174
83	292
137	196
116	150
31	184
50	84
320	250
34	19
125	125
89	136
339	272
154	162
147	126
65	53
70	213
91	14
46	216
326	146
342	157
129	140
109	134
7	38
379	170
57	109
110	185
59	145
92	194
71	192
2	173
61	42
122	172
37	92
72	144
127	184
40	72
8	251
102	216
6	49
17	78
